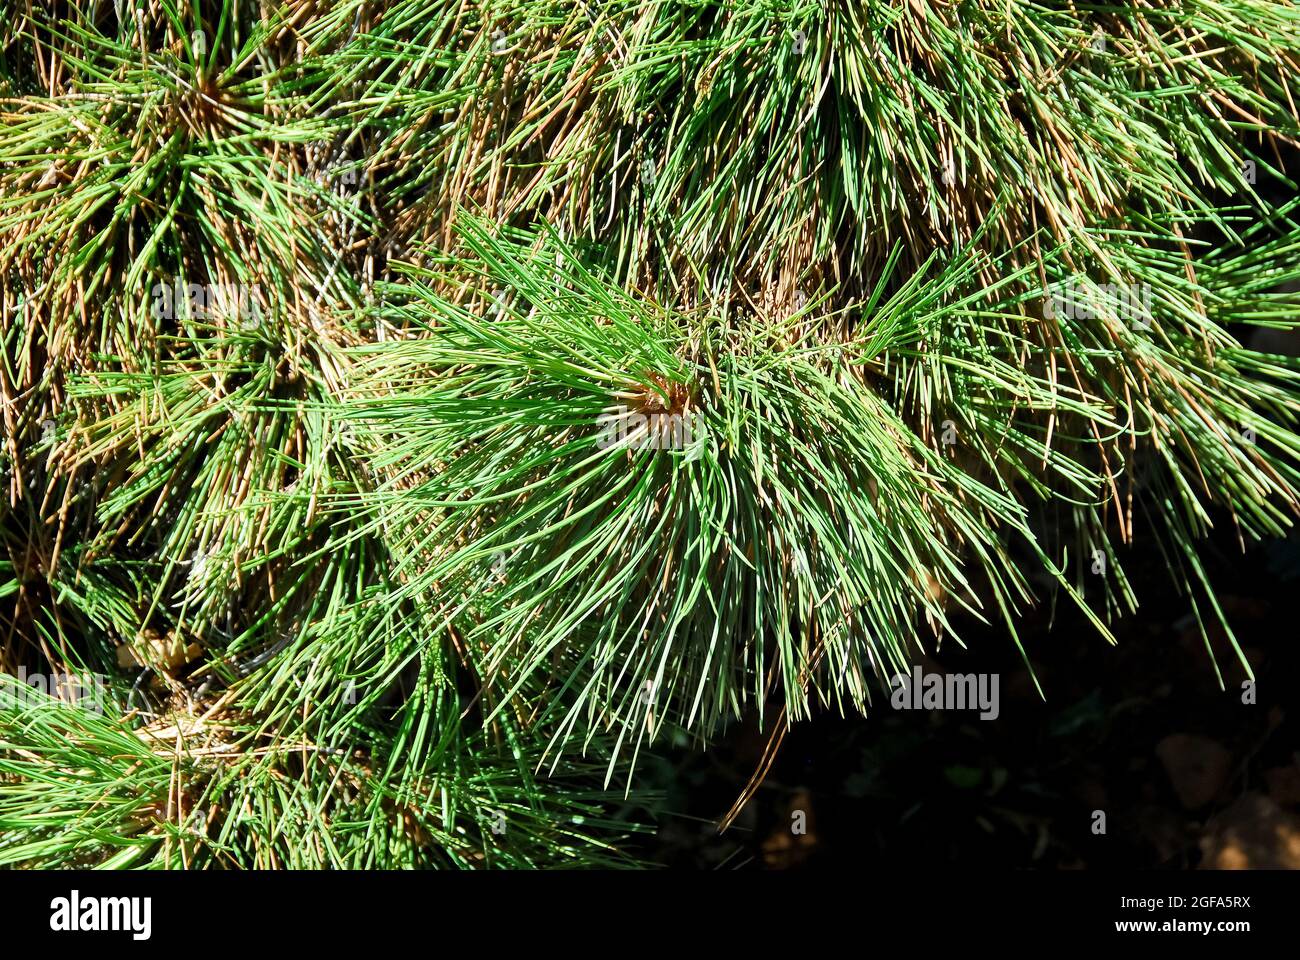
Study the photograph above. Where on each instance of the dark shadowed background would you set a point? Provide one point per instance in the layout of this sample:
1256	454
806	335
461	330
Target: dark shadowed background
1186	773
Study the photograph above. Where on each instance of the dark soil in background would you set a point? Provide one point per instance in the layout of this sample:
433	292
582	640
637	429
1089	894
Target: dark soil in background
1186	774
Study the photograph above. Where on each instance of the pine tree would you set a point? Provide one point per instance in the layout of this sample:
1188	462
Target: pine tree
416	411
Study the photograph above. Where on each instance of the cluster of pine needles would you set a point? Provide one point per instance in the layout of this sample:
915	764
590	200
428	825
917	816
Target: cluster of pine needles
316	315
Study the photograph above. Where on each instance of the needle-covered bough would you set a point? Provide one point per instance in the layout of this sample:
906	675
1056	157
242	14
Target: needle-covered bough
415	410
